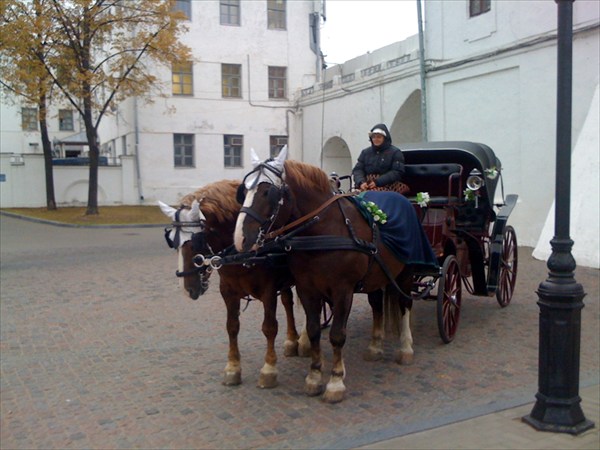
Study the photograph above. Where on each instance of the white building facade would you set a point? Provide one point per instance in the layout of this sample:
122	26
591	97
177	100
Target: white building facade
248	60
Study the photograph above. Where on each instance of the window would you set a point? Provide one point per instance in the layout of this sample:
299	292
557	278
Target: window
277	82
183	145
65	120
276	14
185	6
124	144
477	7
183	83
276	143
233	146
29	119
230	12
231	80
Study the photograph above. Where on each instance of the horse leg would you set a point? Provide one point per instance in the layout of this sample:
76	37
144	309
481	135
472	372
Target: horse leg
290	346
304	349
405	354
233	370
335	390
304	343
313	383
375	350
268	373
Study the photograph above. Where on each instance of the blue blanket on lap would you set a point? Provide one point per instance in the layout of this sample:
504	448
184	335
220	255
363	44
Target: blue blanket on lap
402	233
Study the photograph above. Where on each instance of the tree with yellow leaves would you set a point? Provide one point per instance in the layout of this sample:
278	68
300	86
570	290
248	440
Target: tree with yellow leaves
24	45
100	52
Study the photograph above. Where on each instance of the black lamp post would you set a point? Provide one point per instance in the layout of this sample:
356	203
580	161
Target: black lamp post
558	405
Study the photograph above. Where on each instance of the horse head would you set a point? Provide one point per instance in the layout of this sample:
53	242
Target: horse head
263	195
187	236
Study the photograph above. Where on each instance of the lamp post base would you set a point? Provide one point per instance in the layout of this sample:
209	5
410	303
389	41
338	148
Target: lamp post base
558	416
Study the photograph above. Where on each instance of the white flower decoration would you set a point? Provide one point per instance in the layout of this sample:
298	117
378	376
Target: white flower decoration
423	199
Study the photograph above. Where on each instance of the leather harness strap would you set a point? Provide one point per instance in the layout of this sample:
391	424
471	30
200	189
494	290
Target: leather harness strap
310	215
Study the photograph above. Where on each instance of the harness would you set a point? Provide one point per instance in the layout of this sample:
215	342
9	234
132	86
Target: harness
277	241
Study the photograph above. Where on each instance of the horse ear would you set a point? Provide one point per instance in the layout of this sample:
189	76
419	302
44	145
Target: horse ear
255	159
280	159
195	213
167	210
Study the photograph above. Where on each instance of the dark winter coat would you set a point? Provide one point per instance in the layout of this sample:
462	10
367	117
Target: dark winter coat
386	161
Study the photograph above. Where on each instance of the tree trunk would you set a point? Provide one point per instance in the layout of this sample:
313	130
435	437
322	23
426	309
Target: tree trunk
92	137
47	147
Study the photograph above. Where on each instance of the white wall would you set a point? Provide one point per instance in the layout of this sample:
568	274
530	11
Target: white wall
585	201
507	100
24	184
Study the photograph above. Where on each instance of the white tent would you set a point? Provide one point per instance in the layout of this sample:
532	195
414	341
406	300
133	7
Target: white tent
585	185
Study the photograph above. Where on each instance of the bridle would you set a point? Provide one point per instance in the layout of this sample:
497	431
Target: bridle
202	265
275	197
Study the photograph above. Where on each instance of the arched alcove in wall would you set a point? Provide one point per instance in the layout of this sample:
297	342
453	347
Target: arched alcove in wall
337	157
76	193
406	126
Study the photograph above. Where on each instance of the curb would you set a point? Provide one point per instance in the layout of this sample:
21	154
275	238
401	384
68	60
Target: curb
76	225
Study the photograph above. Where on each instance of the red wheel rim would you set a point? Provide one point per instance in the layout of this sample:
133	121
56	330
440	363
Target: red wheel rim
507	278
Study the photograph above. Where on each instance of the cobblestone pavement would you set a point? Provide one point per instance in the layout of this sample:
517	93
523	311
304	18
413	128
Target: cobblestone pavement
101	349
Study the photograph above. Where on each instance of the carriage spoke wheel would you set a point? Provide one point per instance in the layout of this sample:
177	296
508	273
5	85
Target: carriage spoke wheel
507	278
449	298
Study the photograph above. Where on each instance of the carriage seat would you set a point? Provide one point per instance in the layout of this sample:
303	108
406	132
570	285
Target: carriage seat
443	182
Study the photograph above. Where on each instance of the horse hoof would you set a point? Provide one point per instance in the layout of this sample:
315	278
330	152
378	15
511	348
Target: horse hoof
334	396
267	380
405	358
373	354
290	348
313	389
232	378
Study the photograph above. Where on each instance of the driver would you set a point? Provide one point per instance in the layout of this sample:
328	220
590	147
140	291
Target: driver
380	166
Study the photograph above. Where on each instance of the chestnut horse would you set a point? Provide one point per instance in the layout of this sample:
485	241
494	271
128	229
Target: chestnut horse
330	257
204	226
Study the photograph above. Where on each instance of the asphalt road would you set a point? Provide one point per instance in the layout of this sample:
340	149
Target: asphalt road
101	349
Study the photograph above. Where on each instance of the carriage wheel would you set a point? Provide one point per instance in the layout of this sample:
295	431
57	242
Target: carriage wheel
507	278
449	298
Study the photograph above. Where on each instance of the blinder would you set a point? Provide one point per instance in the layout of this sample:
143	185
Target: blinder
198	241
170	242
240	195
273	196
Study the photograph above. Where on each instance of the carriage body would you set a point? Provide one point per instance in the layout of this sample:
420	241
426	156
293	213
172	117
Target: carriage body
466	227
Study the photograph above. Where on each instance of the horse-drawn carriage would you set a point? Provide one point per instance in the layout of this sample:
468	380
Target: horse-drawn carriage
456	230
453	188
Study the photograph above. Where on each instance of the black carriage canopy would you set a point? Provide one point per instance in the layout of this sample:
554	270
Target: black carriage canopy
470	155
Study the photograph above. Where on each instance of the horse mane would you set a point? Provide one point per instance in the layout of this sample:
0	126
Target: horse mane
217	199
306	176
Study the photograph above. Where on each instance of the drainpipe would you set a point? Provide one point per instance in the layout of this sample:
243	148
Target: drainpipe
423	74
137	148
